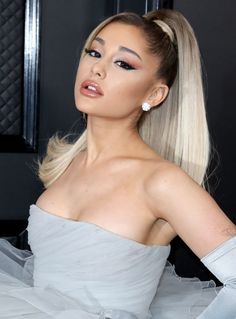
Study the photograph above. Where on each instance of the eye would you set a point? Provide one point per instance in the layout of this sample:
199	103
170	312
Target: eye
125	65
92	53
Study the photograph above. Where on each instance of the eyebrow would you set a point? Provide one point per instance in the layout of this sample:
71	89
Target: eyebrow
121	48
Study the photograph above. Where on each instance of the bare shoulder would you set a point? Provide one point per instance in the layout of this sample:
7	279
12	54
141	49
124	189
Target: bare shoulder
169	187
165	175
163	180
188	208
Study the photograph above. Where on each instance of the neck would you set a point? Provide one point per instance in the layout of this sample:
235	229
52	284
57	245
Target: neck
108	138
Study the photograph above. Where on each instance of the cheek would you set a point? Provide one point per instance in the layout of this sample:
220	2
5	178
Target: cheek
133	89
81	70
78	80
78	74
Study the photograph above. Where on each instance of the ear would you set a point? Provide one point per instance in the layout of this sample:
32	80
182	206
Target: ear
158	94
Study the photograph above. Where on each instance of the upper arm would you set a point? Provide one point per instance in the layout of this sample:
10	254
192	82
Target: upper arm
189	209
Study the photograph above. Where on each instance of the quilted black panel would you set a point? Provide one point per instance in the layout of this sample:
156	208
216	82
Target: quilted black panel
11	65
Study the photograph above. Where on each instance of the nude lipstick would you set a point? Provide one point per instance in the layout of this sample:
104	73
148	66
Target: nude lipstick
91	89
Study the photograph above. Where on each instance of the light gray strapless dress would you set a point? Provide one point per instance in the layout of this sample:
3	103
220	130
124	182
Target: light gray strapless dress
79	270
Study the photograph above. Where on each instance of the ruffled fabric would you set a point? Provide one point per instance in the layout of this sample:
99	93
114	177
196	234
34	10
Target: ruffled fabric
181	298
80	270
19	298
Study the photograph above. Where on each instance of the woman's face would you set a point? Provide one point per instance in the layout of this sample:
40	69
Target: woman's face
117	73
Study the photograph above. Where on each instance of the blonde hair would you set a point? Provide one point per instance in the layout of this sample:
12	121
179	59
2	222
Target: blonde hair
177	130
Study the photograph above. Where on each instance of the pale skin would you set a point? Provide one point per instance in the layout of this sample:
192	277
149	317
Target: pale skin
119	182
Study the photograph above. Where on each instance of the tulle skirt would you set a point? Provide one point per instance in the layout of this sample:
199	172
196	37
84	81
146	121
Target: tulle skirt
176	297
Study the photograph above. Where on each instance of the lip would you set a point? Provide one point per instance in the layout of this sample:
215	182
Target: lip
97	92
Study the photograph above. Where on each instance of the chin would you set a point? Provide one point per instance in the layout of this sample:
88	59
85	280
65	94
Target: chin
81	107
81	104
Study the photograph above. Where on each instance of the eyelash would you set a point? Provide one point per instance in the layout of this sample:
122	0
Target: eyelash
124	65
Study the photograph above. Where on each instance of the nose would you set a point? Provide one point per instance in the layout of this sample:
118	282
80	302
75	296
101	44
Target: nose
98	70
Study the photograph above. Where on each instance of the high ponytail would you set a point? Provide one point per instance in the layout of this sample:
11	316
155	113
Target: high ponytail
177	129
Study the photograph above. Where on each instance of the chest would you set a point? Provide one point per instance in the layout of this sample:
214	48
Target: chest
111	197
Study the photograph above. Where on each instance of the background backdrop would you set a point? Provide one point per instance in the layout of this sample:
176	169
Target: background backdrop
64	27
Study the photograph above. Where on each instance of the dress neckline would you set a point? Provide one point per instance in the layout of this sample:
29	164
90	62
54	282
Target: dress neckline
90	224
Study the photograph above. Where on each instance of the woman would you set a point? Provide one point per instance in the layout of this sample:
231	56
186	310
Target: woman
100	233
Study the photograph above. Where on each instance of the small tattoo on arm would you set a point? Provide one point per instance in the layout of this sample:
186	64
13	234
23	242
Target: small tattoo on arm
231	231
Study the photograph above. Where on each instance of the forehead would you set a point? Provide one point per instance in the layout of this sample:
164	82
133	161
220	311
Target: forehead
124	35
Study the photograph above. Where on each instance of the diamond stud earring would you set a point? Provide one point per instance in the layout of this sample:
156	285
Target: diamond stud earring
146	106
